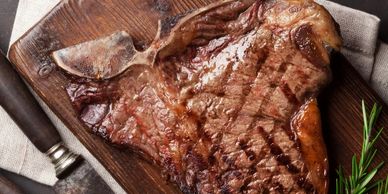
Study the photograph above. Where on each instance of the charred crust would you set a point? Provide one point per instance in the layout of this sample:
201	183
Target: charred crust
251	155
225	189
168	23
304	39
285	160
288	93
303	183
195	161
162	6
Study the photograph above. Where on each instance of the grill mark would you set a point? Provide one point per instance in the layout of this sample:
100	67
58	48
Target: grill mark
277	184
273	84
252	156
270	178
244	187
280	156
224	158
279	77
285	88
252	168
283	67
306	185
291	134
243	144
278	187
200	128
259	64
262	116
285	160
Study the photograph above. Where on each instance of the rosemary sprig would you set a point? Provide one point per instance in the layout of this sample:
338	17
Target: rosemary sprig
359	181
381	187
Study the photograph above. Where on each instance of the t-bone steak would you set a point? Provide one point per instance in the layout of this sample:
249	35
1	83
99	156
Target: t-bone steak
223	99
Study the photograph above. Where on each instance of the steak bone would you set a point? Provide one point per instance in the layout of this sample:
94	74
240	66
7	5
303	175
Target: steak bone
109	56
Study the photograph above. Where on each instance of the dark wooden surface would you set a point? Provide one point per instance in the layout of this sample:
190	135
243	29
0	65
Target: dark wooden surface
340	105
76	21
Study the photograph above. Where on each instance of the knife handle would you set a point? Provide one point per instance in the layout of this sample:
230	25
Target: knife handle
21	105
7	186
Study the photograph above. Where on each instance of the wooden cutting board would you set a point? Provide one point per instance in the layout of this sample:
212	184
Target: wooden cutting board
75	21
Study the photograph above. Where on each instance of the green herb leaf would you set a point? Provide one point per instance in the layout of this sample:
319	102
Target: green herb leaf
360	180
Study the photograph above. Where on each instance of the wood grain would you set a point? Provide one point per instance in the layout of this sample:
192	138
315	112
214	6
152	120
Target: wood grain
341	113
75	21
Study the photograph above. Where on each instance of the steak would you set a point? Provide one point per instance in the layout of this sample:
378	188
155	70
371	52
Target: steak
223	100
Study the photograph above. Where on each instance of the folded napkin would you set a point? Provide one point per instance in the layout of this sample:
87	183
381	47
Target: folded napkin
379	77
359	30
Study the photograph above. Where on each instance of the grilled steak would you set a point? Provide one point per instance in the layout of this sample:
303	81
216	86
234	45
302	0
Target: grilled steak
223	99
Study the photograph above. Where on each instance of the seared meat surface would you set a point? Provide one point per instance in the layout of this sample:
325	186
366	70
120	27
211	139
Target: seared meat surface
226	104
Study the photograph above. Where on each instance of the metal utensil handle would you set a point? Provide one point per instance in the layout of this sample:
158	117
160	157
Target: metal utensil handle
20	104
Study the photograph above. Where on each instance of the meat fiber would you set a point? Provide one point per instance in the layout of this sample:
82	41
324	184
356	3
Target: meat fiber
223	99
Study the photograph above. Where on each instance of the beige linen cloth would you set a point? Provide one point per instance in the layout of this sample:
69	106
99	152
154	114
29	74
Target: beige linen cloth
17	154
